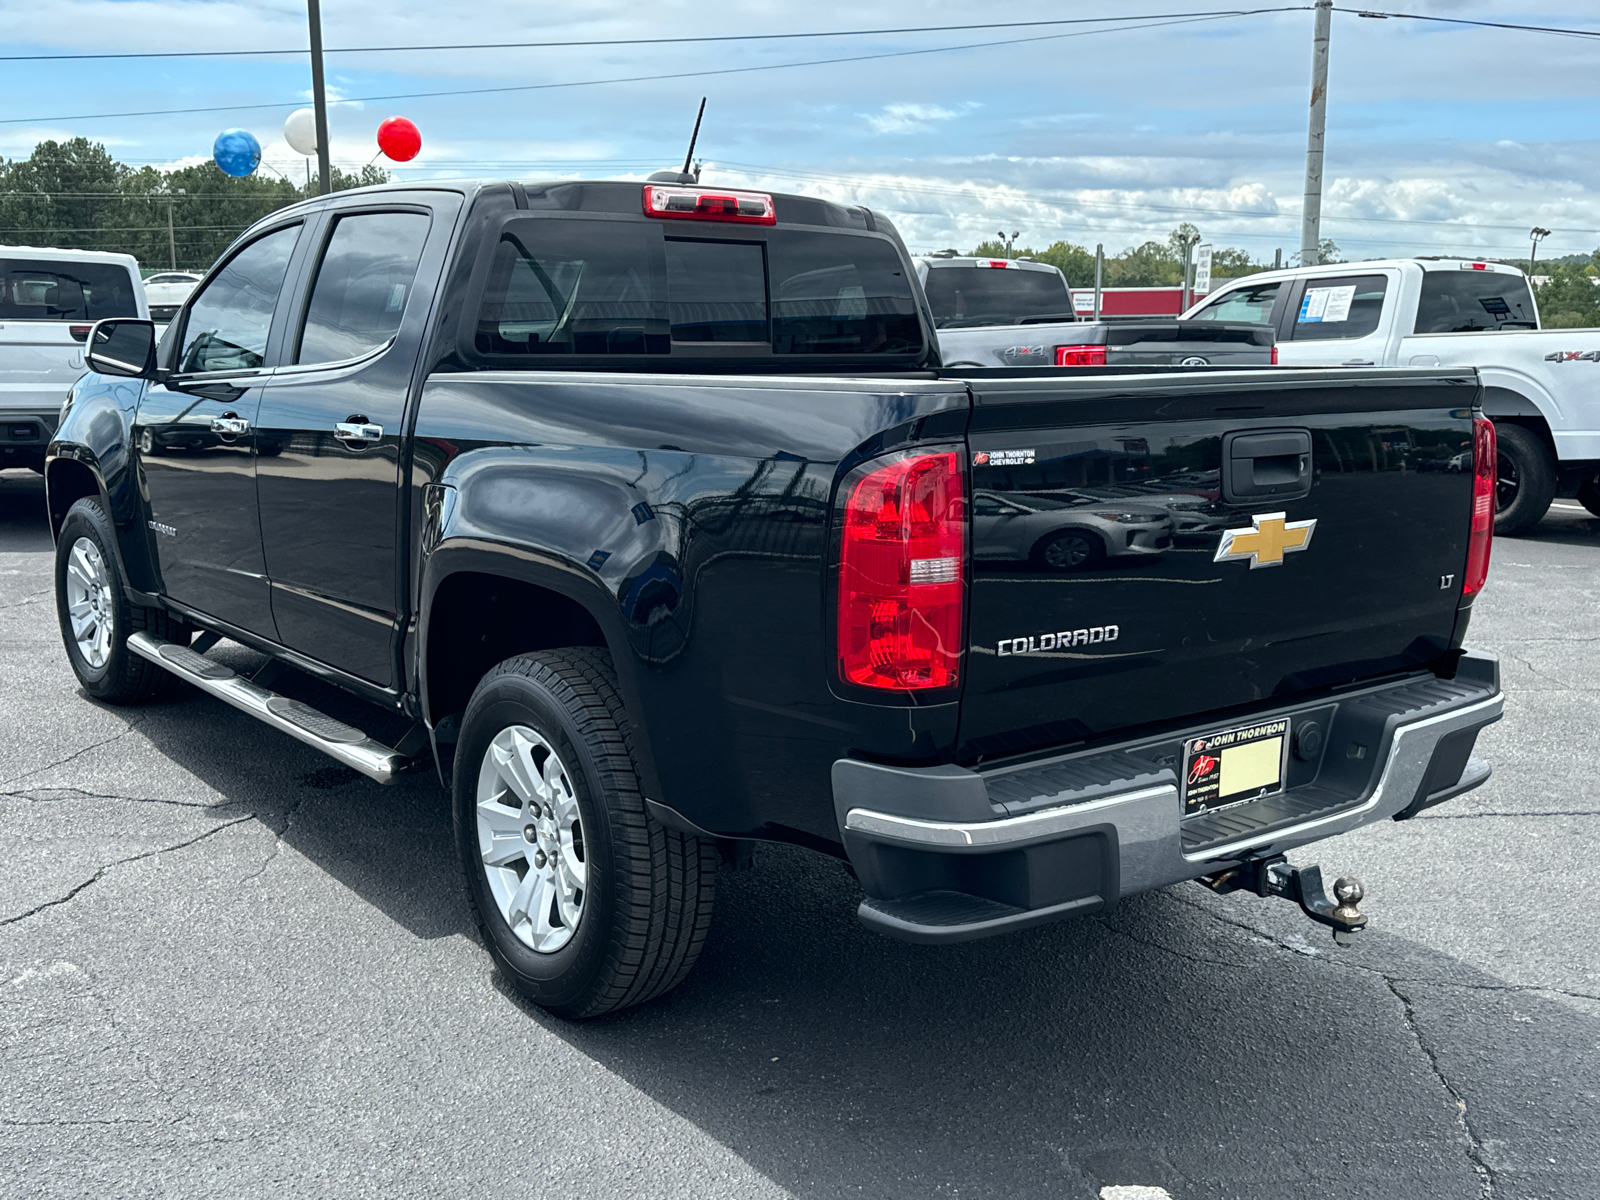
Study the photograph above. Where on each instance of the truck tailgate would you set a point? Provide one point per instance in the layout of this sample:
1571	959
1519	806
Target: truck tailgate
1098	602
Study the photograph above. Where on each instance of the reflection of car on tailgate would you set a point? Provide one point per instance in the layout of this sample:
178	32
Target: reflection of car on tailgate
1066	531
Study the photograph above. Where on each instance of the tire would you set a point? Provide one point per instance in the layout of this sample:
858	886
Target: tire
1589	495
1526	483
635	926
1072	550
89	577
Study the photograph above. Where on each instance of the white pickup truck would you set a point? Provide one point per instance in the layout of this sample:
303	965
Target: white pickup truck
1541	386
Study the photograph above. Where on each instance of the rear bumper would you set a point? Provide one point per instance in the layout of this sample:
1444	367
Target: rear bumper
949	854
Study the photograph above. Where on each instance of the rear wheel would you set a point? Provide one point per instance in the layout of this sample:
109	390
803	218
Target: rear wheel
1526	480
1069	551
585	902
96	617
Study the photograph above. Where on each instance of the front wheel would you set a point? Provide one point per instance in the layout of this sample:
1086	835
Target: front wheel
96	616
585	902
1526	480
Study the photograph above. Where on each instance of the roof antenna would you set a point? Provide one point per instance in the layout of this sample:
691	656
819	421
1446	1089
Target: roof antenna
686	175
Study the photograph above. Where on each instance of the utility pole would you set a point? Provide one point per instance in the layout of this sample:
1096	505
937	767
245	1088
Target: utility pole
172	240
1535	235
319	96
1099	273
1311	212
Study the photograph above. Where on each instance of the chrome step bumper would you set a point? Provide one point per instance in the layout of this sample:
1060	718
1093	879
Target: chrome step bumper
339	741
945	853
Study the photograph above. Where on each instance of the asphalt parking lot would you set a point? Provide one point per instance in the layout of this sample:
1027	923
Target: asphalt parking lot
231	967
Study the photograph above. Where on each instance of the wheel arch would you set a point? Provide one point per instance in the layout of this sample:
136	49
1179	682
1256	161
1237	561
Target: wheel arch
483	603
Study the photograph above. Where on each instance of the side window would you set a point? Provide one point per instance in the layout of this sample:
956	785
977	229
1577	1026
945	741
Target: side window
226	329
362	285
1339	307
1458	301
1249	303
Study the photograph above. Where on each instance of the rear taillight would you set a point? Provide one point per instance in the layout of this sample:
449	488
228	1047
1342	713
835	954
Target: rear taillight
1080	356
1483	481
709	204
901	564
80	333
1274	355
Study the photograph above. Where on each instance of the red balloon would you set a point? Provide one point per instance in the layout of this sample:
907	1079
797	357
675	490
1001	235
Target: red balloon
399	139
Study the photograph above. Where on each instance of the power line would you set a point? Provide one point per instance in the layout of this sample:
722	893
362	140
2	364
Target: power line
660	41
1375	15
540	87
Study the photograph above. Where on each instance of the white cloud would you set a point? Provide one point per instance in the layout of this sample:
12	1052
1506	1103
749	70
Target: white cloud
913	118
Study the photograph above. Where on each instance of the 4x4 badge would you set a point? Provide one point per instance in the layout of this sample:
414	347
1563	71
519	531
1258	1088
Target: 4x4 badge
1270	537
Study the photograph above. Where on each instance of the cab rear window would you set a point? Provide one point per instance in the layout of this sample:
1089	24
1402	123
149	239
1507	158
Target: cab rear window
43	290
565	286
1460	301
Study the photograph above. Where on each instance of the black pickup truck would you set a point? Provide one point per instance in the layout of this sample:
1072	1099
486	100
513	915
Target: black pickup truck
648	509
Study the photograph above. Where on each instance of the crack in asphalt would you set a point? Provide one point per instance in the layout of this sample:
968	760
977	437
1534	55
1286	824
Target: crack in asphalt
60	762
1485	1173
30	598
39	796
122	862
277	841
1578	812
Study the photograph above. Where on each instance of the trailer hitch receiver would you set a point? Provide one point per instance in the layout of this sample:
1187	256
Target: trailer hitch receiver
1275	877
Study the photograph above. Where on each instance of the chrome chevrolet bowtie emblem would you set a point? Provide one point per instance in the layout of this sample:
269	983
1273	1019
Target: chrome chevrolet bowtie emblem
1270	537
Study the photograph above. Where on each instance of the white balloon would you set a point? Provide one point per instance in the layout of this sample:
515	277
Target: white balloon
300	131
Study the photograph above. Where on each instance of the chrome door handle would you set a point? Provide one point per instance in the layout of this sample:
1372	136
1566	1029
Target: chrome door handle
357	432
230	425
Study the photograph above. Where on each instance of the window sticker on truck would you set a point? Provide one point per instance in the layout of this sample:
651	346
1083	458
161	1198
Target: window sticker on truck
1003	458
1326	304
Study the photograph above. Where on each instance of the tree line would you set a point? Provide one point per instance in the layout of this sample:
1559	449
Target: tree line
74	195
1152	264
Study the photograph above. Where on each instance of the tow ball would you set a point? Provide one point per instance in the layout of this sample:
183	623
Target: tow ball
1303	885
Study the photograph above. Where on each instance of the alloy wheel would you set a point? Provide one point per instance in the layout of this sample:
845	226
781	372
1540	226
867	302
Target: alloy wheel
530	837
89	602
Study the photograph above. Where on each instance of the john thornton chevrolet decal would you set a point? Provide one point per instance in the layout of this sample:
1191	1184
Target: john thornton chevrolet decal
1270	537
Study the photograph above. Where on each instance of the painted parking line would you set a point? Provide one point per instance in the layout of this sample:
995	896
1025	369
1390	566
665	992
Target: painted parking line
1134	1191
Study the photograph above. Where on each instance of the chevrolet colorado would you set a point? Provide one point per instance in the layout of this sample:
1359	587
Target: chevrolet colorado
651	512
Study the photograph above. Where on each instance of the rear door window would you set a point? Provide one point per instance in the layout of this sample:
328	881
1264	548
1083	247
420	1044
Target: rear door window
362	284
43	290
228	322
1339	307
1249	303
1459	301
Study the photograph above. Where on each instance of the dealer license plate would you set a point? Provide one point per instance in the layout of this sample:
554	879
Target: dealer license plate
1234	766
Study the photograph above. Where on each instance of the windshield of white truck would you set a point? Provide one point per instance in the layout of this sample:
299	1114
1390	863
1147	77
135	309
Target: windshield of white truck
962	296
1462	301
44	290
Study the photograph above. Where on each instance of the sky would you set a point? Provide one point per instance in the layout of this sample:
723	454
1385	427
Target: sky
1441	139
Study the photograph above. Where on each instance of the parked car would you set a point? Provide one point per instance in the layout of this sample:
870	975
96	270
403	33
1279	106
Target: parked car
1066	531
167	291
1541	386
999	312
48	300
646	507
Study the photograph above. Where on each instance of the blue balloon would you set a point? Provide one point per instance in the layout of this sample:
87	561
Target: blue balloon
237	152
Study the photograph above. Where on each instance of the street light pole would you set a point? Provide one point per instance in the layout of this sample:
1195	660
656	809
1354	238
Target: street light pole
1311	210
172	240
319	96
1535	235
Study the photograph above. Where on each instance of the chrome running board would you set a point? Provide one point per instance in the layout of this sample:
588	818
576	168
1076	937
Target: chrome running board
334	738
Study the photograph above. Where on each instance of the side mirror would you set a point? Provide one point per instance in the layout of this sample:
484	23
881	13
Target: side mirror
122	346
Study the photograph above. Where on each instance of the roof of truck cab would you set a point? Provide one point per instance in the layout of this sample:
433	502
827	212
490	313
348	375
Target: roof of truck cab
51	252
1355	268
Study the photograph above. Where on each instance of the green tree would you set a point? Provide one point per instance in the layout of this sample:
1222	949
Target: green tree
1075	262
1327	252
1570	300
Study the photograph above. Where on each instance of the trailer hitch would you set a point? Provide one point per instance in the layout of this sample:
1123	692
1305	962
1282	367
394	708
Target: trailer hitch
1275	877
